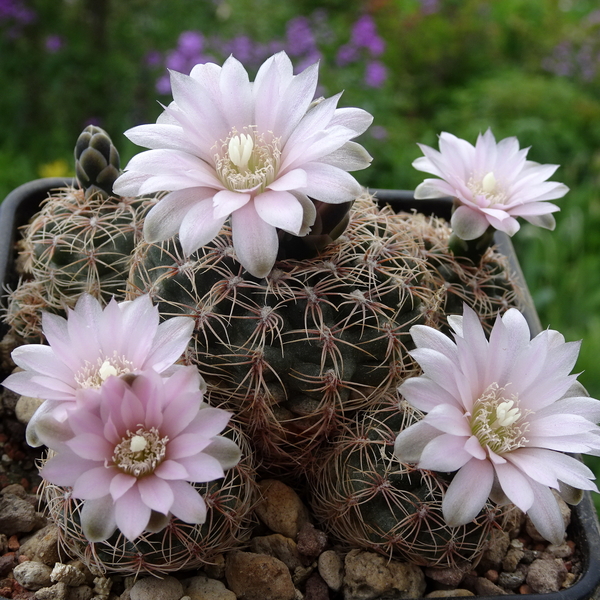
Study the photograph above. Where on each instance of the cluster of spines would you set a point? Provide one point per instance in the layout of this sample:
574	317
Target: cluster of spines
365	497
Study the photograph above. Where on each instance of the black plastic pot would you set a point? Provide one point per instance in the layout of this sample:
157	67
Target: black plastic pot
23	202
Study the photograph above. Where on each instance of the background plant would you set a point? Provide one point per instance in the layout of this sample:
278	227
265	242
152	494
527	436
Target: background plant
524	68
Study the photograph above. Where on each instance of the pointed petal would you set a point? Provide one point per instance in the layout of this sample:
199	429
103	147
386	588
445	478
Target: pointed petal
468	492
255	241
188	504
280	209
98	519
468	224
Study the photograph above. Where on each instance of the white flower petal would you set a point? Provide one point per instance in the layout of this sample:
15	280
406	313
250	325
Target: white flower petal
199	227
468	224
254	240
280	209
468	492
188	504
410	442
98	519
546	515
445	453
515	485
165	218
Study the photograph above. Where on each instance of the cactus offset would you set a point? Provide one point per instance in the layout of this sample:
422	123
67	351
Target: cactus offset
80	241
299	353
230	502
364	496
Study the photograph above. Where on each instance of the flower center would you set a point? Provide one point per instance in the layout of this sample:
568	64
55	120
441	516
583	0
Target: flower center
139	453
94	375
247	162
487	187
498	423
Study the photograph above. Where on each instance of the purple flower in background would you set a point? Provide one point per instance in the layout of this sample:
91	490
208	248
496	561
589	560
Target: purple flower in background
364	34
347	54
242	47
378	132
375	74
134	447
153	58
53	43
300	38
176	61
428	7
13	10
190	43
163	84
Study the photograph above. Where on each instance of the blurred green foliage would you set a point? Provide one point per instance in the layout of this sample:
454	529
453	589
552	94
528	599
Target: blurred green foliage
523	68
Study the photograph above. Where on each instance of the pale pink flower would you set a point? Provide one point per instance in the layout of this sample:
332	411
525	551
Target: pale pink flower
92	344
492	182
502	413
253	151
131	449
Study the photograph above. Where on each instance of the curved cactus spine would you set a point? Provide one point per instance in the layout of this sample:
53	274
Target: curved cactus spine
365	497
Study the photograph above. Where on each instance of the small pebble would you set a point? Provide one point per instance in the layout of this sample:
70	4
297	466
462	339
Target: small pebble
33	575
152	588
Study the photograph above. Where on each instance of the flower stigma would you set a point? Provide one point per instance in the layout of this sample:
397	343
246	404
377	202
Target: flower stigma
94	375
498	423
247	162
139	453
488	188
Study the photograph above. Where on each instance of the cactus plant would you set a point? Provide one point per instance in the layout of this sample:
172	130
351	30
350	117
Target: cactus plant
365	496
230	502
298	353
79	242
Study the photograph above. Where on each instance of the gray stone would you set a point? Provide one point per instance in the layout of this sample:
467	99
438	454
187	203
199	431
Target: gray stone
33	575
81	592
16	489
511	581
281	509
152	588
512	559
449	576
560	551
102	586
258	577
42	546
369	576
16	515
546	575
202	587
279	546
316	588
58	591
495	552
484	587
331	569
216	568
